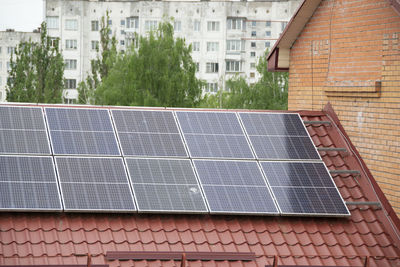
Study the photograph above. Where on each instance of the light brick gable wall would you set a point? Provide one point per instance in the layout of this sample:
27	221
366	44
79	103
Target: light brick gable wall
348	54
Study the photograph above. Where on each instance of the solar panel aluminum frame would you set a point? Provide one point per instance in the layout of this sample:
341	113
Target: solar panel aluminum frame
273	159
56	181
231	212
149	110
305	214
97	210
83	155
207	111
169	211
45	129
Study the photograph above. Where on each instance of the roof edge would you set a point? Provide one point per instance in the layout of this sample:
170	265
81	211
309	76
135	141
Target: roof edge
395	221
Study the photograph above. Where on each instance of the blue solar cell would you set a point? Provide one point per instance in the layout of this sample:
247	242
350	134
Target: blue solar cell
283	147
229	172
152	144
209	122
310	201
297	174
69	119
239	199
96	184
81	132
234	187
218	146
144	121
84	143
28	183
273	124
169	198
23	118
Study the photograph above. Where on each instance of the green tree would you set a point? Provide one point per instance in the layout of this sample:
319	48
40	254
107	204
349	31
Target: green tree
270	92
100	67
36	73
160	72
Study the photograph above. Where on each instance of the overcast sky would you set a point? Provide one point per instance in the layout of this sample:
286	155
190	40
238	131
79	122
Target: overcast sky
21	15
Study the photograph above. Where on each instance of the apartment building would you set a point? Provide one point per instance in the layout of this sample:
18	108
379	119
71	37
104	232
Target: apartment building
9	40
227	37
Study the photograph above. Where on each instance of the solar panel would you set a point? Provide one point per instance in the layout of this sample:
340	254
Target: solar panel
235	187
214	135
148	133
94	184
304	188
22	131
165	185
278	136
81	132
28	183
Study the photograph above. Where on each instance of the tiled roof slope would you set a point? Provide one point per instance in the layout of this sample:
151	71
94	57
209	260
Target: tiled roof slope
59	238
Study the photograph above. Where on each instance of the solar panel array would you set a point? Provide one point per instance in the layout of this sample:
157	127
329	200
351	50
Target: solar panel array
161	161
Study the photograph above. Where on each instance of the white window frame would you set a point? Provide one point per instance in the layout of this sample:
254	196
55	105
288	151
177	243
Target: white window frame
177	26
234	23
94	44
52	22
71	64
10	49
132	22
70	83
213	26
196	46
212	67
71	44
71	24
268	33
233	66
150	25
211	88
94	25
196	26
212	46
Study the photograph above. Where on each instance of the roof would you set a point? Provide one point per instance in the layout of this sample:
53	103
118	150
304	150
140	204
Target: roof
278	58
372	230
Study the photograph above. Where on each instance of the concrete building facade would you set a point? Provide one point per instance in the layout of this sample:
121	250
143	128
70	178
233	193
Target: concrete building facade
9	40
227	37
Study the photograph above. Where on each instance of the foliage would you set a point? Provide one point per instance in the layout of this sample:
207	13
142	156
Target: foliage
160	72
100	67
36	73
270	92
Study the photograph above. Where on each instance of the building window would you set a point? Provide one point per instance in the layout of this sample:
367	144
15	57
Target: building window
132	22
233	66
69	100
254	24
71	24
177	26
196	26
10	49
253	34
196	46
268	23
211	67
70	64
109	22
122	32
122	23
267	44
95	25
213	26
54	41
212	46
235	45
150	25
252	65
252	74
252	54
268	33
95	45
122	42
197	66
71	44
70	83
253	44
211	88
52	22
234	23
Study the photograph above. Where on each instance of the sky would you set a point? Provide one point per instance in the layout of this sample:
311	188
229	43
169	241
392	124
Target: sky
21	15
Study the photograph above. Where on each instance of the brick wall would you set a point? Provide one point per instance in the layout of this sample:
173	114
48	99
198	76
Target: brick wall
346	48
